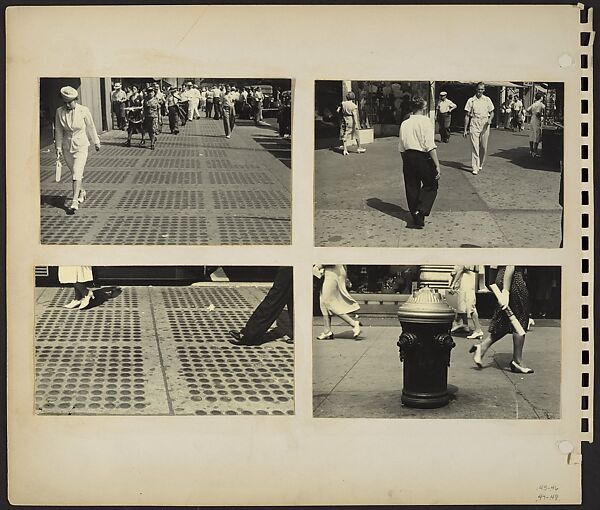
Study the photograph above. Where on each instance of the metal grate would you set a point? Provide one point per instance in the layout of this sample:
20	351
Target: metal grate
164	152
224	164
241	230
112	151
92	378
106	177
153	230
161	199
112	162
95	198
257	199
215	153
201	326
201	297
231	381
242	178
162	177
162	163
66	229
95	325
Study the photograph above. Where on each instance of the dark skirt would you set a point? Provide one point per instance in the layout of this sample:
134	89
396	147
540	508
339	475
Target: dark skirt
151	125
135	127
518	302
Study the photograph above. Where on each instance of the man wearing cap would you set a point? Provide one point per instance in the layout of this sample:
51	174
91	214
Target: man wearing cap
73	129
479	112
217	93
444	109
118	98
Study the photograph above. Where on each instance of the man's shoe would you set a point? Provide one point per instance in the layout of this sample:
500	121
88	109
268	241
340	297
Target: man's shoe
238	339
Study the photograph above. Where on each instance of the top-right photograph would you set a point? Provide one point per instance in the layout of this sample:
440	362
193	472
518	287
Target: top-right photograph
453	164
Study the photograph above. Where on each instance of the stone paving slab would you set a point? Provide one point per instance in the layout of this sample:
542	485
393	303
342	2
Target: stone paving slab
363	379
360	200
158	351
196	188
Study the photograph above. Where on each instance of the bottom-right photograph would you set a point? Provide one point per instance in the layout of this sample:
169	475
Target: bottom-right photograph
437	341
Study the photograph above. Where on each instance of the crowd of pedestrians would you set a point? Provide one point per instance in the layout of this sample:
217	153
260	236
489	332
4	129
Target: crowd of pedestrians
141	110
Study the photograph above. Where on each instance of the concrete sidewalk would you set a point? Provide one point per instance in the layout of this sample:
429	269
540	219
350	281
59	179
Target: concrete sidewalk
196	188
363	378
360	199
159	351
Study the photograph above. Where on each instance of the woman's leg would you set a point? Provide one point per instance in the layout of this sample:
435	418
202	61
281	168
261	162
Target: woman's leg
79	292
348	320
518	343
326	323
344	143
76	190
475	319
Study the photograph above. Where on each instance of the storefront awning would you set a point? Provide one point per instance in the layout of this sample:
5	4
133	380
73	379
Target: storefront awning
509	84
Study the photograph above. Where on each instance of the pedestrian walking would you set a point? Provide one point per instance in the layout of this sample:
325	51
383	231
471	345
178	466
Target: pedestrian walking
444	109
536	110
514	297
162	101
258	100
507	112
80	277
228	111
517	114
216	96
174	112
334	299
464	285
209	103
479	112
73	130
269	309
349	123
194	101
420	164
135	116
118	97
284	117
151	114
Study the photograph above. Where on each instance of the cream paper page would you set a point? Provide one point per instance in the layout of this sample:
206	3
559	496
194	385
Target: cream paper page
57	460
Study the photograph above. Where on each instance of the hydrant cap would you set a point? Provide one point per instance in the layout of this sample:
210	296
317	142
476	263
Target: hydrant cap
426	306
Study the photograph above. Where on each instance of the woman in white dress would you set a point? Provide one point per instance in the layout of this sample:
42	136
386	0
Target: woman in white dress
80	277
536	110
335	299
464	282
74	129
349	123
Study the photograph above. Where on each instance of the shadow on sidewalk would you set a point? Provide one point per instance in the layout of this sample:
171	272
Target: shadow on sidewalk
279	148
457	165
520	156
57	201
102	295
390	209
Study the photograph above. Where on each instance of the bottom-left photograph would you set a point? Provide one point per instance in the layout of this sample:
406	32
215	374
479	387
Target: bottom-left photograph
164	340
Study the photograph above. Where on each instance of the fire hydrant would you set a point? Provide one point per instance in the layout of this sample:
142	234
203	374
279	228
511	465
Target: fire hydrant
425	345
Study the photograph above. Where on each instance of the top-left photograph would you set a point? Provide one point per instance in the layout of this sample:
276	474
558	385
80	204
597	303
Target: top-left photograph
165	161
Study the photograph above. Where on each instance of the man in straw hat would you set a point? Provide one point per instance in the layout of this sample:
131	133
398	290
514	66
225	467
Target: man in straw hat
118	98
73	130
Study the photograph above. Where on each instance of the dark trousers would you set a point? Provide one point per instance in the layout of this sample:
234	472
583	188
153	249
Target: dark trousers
119	109
444	124
217	108
419	181
209	107
285	121
228	120
174	119
266	313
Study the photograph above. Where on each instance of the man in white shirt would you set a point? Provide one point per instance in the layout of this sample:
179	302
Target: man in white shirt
517	107
118	98
193	95
444	109
479	112
420	164
217	102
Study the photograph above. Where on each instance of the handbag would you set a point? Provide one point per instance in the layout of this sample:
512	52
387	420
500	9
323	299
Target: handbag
58	171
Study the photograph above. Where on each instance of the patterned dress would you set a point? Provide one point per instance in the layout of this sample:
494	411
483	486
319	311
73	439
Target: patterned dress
518	301
349	122
151	113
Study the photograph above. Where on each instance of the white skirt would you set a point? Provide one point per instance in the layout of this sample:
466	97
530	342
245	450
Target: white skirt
75	274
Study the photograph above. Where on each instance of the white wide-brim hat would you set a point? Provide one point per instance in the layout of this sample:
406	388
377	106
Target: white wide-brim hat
443	93
68	93
117	85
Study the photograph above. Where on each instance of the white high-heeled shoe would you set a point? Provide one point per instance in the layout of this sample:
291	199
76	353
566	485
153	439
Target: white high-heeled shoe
356	329
86	300
73	304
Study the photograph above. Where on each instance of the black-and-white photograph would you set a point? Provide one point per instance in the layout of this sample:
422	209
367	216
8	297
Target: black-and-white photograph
435	341
165	161
439	164
164	340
